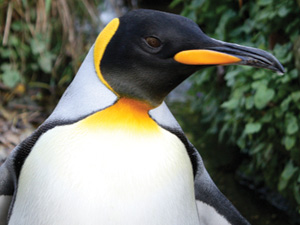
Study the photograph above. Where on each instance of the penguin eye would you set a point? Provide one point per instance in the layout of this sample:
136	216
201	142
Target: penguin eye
153	42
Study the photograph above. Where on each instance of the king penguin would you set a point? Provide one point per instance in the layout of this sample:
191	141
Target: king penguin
111	152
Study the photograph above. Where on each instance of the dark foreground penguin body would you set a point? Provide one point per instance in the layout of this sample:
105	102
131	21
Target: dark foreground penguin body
111	152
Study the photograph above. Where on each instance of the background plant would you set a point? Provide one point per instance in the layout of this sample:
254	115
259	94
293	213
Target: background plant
43	44
251	109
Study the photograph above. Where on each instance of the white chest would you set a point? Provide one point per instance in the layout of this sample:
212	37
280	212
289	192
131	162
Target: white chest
77	176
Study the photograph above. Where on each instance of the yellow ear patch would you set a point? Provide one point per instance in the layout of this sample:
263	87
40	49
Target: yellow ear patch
126	114
100	45
204	57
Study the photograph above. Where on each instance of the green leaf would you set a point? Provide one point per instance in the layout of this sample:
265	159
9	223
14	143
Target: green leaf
264	2
292	124
289	170
17	26
297	193
10	76
252	128
231	104
258	83
197	3
283	11
45	62
267	118
225	19
286	175
230	77
258	148
249	102
7	52
278	112
37	46
289	142
241	142
263	96
285	104
259	74
292	128
296	96
174	3
14	40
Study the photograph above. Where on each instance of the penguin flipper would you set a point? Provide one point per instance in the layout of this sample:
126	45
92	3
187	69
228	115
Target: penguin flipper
6	190
213	207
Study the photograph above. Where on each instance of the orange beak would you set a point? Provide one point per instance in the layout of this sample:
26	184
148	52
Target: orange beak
205	57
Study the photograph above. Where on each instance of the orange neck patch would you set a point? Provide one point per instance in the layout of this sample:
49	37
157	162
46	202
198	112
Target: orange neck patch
125	114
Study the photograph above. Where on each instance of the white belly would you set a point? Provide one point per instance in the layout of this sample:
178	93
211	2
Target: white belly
75	176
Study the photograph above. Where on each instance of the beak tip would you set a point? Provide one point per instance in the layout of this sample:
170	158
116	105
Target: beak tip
279	73
279	69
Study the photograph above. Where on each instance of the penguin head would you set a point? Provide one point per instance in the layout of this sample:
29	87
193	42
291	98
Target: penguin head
145	54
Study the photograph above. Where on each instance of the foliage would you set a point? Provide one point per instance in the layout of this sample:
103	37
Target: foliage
254	109
43	42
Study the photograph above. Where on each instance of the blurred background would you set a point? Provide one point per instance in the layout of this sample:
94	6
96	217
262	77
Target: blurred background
244	121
